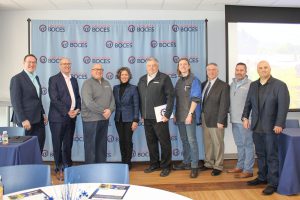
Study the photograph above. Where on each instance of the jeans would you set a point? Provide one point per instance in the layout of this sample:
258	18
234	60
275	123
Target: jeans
266	147
189	143
245	147
95	141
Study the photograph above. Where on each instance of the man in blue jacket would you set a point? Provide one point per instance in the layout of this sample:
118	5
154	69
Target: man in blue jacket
65	105
268	99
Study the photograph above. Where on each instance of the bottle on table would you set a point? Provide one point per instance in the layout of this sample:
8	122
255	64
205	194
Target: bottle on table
5	137
1	188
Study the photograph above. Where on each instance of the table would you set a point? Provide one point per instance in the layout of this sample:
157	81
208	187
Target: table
289	161
27	152
134	192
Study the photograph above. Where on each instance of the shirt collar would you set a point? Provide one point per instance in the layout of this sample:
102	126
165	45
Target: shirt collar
66	77
153	75
31	75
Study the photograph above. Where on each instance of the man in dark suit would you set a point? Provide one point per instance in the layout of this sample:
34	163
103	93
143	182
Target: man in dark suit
26	100
268	99
215	106
65	105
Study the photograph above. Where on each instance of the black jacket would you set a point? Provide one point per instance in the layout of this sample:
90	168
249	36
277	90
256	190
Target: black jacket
276	101
158	92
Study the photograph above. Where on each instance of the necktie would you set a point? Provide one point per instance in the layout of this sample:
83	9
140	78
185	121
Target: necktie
206	92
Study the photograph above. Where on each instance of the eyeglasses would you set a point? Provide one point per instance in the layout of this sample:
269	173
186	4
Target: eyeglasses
66	64
29	62
99	70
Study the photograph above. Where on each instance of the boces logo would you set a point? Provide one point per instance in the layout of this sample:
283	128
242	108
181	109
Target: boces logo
141	28
51	59
141	59
96	28
118	44
185	28
192	59
163	43
74	44
176	152
52	28
44	91
109	75
95	60
45	153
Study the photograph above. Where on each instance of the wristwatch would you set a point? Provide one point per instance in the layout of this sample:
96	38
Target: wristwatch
243	119
190	113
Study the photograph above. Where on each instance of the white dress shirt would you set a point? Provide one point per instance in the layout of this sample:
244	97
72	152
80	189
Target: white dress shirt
71	91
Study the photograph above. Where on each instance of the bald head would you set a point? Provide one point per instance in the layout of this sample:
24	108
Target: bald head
264	69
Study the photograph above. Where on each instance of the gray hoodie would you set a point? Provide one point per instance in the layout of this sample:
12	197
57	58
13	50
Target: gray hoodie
238	95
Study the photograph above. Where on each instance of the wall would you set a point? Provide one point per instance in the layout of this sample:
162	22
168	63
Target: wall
13	39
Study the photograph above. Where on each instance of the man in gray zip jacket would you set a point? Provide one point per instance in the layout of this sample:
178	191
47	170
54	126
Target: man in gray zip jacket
156	89
97	105
242	137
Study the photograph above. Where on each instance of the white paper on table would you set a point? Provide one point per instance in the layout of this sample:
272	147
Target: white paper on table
160	112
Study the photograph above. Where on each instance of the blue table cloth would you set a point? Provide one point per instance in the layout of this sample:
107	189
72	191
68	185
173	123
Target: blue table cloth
289	161
27	152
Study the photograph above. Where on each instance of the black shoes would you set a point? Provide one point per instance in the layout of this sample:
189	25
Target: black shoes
216	172
151	169
203	168
165	172
194	173
256	182
182	166
269	190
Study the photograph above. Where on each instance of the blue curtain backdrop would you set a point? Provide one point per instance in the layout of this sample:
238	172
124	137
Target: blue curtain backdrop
115	44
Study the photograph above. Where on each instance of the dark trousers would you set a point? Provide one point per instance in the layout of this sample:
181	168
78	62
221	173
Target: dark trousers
95	141
266	148
62	140
158	132
125	141
38	130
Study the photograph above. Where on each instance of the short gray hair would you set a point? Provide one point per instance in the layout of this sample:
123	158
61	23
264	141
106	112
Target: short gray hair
152	59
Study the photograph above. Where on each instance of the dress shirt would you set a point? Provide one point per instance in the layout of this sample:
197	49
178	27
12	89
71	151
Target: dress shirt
71	91
212	82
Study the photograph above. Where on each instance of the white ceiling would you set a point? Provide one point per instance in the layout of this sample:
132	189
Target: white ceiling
213	5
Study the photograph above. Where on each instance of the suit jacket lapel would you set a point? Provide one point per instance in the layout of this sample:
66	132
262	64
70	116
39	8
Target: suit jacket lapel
212	88
64	84
29	82
266	94
117	92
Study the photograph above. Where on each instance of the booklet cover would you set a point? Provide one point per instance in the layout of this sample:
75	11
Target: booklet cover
35	194
109	191
160	112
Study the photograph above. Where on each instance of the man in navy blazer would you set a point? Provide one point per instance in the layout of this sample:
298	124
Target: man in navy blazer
26	100
268	99
65	105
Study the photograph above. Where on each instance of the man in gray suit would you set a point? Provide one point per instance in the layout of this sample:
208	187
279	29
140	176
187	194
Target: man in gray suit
268	99
215	106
